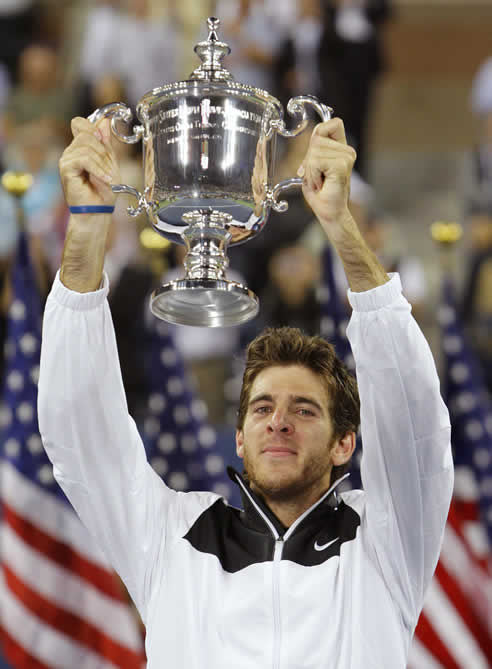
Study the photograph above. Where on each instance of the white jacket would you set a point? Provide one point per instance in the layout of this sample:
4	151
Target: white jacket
221	588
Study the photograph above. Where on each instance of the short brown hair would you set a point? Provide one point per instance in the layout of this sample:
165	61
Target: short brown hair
289	346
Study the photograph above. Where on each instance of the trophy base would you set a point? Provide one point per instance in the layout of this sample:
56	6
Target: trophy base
204	302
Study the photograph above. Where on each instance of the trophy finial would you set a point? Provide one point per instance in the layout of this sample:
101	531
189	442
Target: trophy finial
213	24
211	52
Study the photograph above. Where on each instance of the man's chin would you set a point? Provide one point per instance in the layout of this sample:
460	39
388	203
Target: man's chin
277	487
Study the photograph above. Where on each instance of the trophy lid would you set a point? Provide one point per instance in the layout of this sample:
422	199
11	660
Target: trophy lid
211	52
211	74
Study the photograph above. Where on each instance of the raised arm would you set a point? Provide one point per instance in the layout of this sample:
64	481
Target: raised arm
407	469
97	454
326	171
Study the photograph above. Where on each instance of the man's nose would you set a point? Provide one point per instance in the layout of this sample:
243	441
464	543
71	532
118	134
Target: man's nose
280	422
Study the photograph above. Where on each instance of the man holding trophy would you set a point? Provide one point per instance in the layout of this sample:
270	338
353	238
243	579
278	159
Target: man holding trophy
303	576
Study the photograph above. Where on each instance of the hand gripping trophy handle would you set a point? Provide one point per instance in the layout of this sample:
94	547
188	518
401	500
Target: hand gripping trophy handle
296	107
117	111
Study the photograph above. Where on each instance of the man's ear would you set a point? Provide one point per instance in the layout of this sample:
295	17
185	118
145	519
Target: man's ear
342	449
239	443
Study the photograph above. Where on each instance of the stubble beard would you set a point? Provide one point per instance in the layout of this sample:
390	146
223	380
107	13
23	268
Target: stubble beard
288	486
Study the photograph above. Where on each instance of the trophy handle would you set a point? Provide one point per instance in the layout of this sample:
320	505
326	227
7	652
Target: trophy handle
296	107
117	111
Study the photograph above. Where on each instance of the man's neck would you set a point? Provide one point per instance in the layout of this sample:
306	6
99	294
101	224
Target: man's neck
289	510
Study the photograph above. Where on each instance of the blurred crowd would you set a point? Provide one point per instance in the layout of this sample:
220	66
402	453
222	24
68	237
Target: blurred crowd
59	60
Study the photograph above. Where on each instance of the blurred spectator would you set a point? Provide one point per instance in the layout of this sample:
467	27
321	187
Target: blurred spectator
191	17
481	94
8	223
34	149
4	94
284	14
477	173
289	297
131	281
131	45
39	97
36	122
4	87
370	221
351	60
477	295
151	61
17	20
254	39
298	60
477	205
98	56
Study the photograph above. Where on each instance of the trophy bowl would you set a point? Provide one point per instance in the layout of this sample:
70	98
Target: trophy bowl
209	149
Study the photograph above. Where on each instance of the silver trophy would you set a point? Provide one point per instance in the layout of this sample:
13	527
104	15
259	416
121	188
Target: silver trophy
209	147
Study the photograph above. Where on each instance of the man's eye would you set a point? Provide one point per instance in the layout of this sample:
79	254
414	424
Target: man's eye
305	412
264	409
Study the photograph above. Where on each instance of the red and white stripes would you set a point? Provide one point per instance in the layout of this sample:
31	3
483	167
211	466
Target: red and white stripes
455	627
61	604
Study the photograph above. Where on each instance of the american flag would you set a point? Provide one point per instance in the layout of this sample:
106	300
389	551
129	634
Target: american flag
61	604
182	447
455	628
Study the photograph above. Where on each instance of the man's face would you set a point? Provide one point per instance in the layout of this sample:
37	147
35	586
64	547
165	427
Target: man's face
287	436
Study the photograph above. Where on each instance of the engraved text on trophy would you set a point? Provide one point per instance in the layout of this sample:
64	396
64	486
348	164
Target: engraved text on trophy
206	121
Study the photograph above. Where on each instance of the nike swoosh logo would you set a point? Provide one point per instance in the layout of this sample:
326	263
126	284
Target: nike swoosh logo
323	547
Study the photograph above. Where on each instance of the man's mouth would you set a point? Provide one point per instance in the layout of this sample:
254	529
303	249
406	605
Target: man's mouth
278	451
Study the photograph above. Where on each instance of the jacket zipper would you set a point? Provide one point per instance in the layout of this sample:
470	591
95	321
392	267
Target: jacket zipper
277	630
277	557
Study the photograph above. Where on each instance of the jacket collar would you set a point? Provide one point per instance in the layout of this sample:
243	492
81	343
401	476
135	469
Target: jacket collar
257	514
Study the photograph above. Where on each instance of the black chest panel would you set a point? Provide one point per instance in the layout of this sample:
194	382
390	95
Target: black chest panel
321	537
239	539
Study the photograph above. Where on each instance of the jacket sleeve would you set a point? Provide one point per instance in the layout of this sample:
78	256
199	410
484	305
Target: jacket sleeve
98	457
406	468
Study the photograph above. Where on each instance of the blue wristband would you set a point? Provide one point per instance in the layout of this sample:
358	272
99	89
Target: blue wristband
92	209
